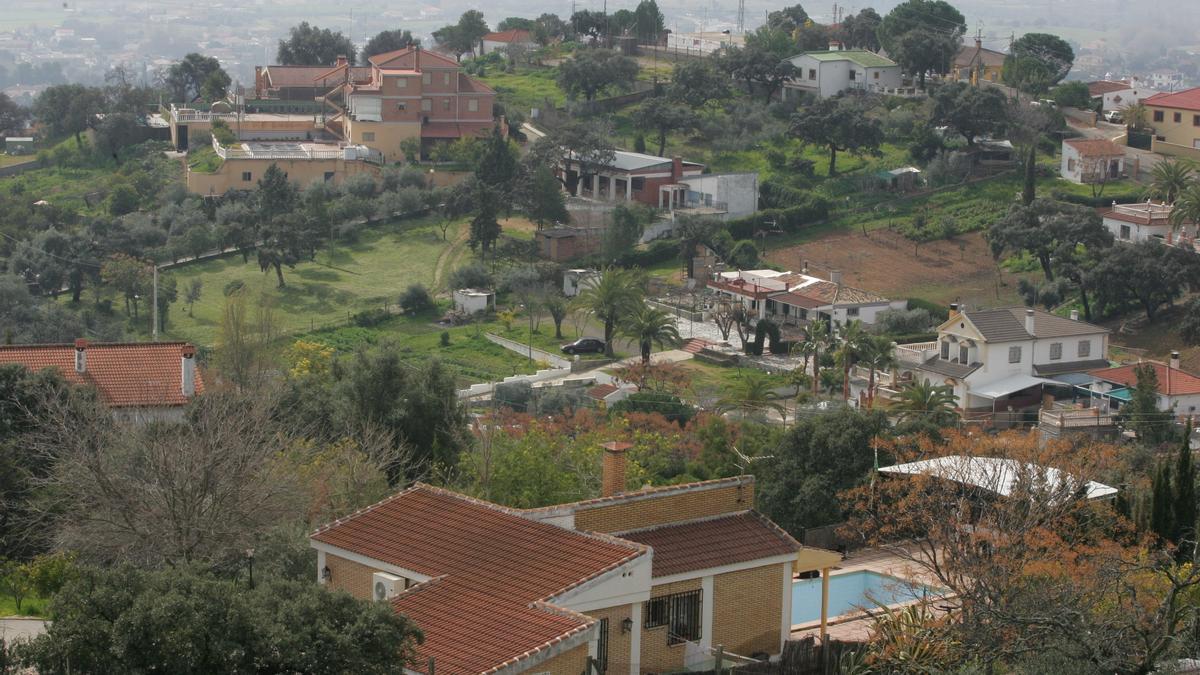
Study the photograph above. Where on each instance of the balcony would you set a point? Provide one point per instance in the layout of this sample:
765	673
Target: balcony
916	353
297	151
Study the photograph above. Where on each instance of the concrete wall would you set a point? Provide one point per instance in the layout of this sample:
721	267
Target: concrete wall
622	516
300	171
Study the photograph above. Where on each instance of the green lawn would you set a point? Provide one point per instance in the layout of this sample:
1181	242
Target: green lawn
368	274
30	606
526	88
712	381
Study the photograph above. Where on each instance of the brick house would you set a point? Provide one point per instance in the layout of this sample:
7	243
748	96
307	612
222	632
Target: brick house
642	582
632	177
561	244
139	380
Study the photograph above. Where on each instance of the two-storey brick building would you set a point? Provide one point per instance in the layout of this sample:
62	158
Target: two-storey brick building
649	581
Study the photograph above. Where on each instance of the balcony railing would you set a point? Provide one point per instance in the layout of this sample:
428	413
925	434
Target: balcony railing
348	152
1076	418
917	352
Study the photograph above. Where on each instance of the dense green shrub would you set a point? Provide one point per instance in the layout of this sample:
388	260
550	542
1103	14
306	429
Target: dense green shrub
370	318
656	252
416	299
667	405
939	312
1124	196
790	219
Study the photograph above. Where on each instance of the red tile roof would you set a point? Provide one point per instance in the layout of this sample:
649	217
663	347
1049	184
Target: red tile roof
713	542
514	35
1171	381
492	565
601	390
307	76
1102	87
1095	147
412	58
128	375
1188	99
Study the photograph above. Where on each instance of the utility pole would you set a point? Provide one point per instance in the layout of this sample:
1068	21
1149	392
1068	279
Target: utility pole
155	329
741	20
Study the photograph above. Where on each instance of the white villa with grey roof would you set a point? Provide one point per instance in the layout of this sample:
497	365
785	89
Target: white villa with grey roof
1003	359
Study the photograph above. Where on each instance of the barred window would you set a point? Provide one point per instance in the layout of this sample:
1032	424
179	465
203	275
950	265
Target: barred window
1085	347
1014	354
602	647
679	612
1055	351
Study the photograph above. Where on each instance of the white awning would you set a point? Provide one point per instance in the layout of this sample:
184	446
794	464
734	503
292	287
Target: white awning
994	474
1008	386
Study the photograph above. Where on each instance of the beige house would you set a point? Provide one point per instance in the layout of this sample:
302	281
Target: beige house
1175	119
243	164
650	581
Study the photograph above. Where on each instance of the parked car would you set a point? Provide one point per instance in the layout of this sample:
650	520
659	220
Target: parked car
1114	117
587	345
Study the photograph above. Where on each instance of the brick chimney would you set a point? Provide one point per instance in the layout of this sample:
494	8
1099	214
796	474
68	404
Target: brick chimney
342	60
1074	315
612	475
1029	324
81	355
676	168
187	375
835	276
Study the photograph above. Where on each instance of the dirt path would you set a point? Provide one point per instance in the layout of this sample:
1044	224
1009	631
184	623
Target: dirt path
447	256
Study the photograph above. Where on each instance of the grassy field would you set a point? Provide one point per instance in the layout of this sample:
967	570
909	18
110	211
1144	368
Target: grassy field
30	606
711	382
9	160
526	88
369	273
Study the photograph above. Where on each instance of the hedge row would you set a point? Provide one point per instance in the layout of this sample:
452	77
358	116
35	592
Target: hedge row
790	219
775	195
1106	199
938	312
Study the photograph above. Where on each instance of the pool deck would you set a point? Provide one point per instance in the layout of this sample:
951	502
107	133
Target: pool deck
890	561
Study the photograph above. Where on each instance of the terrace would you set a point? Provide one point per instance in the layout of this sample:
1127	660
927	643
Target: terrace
293	150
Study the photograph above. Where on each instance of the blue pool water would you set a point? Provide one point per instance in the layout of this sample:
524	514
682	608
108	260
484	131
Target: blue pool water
851	592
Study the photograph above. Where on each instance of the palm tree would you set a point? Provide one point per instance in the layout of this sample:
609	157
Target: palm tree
752	395
876	353
1135	116
617	293
650	326
851	336
1169	179
816	338
1187	206
933	402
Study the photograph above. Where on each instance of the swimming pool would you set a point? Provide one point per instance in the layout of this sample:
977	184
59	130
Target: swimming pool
851	592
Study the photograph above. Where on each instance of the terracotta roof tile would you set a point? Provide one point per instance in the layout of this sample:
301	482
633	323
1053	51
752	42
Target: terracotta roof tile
1095	147
127	375
1102	87
1171	381
409	59
494	566
514	35
713	542
1188	99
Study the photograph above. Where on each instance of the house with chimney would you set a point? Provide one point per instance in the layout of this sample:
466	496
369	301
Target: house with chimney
144	381
653	580
792	299
1178	390
977	64
1005	360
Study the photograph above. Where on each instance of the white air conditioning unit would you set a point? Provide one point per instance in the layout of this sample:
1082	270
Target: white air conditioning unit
388	586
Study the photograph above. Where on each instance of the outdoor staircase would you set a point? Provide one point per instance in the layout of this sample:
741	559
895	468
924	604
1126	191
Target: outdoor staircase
695	345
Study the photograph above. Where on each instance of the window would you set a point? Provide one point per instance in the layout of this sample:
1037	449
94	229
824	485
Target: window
1070	164
328	176
446	105
1178	117
1055	351
425	78
1014	354
1125	232
812	73
402	83
402	106
851	311
472	105
945	350
679	612
246	176
853	75
1196	120
964	352
602	647
1158	115
876	74
368	136
445	78
639	184
1085	347
426	105
804	314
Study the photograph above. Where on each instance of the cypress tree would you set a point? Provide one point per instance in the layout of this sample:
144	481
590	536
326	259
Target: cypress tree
1029	191
1185	492
1162	504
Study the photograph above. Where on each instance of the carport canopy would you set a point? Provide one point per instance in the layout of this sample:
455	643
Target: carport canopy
1010	385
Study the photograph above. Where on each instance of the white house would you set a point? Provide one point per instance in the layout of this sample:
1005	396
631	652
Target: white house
707	42
829	73
725	196
788	298
1139	222
1001	359
1178	390
577	281
498	42
473	301
1091	160
1119	94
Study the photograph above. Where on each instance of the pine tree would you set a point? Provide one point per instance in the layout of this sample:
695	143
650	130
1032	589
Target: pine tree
497	167
1162	504
639	143
1185	493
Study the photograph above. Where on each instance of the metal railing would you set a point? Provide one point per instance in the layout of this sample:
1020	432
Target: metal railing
360	153
1076	418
